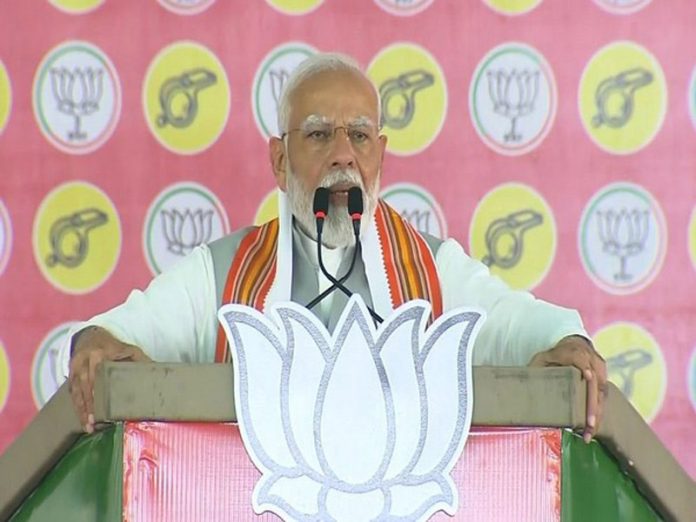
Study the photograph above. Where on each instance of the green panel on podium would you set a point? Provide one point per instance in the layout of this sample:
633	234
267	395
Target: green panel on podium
595	488
85	485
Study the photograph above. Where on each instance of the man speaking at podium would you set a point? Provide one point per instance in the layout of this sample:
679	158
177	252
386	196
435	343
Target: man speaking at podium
329	118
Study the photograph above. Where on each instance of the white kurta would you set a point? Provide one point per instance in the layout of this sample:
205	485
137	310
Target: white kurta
175	318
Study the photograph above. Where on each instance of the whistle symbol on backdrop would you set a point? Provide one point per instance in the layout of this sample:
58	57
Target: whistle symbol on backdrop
614	97
625	365
178	97
504	237
69	237
78	93
398	97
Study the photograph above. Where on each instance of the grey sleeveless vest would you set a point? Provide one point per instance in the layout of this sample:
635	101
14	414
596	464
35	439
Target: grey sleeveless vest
305	286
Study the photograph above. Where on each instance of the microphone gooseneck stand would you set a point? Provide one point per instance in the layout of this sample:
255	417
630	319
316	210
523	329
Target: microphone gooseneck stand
355	209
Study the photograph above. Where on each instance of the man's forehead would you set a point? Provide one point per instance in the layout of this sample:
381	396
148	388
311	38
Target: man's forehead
337	79
361	120
347	94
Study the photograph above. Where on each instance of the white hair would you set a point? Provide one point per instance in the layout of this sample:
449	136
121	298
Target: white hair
338	227
316	64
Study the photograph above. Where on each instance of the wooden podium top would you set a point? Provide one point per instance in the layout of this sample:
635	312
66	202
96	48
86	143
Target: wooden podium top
521	396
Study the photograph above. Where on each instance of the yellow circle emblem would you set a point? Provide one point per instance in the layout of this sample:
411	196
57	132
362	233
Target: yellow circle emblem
77	6
692	237
413	92
77	237
5	97
268	209
186	97
513	232
295	7
634	364
513	7
4	377
622	97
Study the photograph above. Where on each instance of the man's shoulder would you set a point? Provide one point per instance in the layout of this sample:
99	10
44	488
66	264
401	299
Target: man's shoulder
222	252
225	247
433	242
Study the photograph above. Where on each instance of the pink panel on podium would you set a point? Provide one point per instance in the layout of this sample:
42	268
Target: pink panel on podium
509	475
184	472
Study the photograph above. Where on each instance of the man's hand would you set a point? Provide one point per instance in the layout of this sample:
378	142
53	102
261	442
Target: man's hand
93	346
577	351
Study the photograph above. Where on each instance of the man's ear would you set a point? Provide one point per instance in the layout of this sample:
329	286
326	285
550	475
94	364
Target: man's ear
277	155
382	147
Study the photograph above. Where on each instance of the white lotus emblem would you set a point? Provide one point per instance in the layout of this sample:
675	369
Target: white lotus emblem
364	424
186	230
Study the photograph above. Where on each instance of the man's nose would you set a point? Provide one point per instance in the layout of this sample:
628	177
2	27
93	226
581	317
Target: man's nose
342	153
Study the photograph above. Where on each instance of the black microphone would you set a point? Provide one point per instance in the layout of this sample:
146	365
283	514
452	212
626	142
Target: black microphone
355	210
320	207
321	210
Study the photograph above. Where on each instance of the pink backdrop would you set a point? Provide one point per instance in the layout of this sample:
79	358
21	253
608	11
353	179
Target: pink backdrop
457	167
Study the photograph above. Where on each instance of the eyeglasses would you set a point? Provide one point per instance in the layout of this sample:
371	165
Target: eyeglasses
320	136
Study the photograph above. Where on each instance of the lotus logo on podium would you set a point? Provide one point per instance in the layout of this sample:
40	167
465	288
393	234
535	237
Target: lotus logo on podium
364	424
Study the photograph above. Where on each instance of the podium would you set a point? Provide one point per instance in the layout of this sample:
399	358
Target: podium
168	448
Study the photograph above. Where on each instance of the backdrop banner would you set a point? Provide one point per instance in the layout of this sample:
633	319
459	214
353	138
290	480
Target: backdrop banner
555	140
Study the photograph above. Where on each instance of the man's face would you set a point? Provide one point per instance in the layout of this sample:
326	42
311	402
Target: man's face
332	141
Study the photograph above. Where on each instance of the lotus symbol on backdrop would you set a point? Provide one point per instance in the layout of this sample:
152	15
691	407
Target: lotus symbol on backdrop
78	93
331	446
418	218
278	78
623	234
185	231
53	365
513	95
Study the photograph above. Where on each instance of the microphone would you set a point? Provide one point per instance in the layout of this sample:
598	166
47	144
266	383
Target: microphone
320	207
355	210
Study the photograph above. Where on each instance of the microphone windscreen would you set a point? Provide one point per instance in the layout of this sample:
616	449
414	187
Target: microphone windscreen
321	201
355	201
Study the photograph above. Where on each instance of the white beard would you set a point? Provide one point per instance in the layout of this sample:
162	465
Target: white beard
338	227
